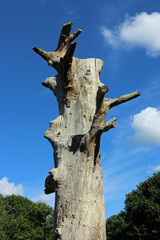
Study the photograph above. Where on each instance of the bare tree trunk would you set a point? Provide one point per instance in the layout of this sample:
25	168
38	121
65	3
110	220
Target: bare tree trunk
75	138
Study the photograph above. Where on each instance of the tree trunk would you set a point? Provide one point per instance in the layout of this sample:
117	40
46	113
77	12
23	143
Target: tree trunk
75	138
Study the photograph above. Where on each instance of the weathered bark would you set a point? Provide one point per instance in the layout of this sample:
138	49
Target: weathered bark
75	138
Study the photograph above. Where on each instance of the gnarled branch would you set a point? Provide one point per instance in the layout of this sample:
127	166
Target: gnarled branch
108	125
65	37
102	90
64	52
42	53
103	105
116	101
98	124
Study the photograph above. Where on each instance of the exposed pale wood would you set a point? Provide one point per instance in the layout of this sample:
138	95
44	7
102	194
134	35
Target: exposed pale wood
116	101
75	138
62	56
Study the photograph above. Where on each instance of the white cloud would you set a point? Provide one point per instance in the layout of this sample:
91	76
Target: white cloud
147	125
7	188
142	30
155	168
111	37
45	198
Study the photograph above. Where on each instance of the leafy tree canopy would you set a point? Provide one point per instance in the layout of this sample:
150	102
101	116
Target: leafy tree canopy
140	219
22	219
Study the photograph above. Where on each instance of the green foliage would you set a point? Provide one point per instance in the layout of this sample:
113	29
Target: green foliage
140	219
3	219
21	219
116	227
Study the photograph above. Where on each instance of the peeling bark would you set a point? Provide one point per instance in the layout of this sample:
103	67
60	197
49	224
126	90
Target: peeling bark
75	138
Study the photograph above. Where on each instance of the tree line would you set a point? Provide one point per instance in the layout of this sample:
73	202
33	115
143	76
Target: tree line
22	219
140	219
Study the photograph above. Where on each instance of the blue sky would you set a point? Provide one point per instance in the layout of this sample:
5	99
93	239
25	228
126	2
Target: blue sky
126	36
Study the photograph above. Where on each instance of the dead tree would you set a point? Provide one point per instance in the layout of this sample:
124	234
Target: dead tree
75	137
